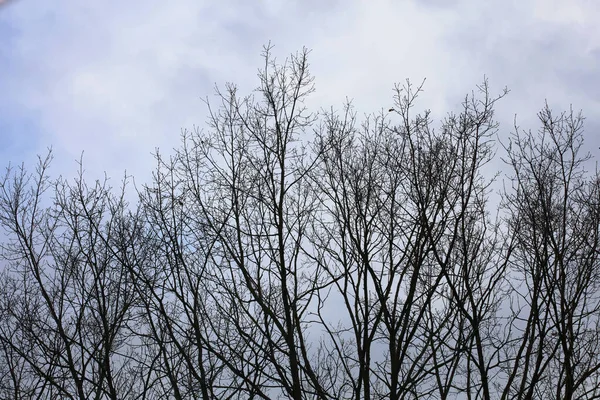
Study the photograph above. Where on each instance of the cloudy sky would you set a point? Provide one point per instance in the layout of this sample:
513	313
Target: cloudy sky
116	79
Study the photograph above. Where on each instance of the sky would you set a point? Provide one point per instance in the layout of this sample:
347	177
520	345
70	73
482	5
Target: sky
118	79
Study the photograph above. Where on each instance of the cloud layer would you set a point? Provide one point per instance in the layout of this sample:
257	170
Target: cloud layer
117	79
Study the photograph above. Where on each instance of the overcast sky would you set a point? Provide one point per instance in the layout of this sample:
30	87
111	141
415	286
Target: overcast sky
116	79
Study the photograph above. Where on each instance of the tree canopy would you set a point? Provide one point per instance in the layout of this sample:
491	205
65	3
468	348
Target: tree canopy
283	252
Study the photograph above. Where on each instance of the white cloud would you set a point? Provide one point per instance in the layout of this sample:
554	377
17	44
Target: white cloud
117	79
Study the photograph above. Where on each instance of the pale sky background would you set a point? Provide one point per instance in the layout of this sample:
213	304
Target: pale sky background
116	79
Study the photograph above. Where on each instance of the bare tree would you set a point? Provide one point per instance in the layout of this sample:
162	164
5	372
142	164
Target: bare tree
66	299
553	219
281	253
405	241
231	210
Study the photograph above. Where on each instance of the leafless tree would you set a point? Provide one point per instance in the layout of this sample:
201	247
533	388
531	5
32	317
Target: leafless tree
404	237
553	211
231	210
66	299
280	253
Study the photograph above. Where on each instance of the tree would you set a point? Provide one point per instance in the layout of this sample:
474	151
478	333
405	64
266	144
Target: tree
404	240
66	301
233	207
281	253
552	219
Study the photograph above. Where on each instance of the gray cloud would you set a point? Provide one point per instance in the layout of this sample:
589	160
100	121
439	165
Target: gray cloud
118	79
